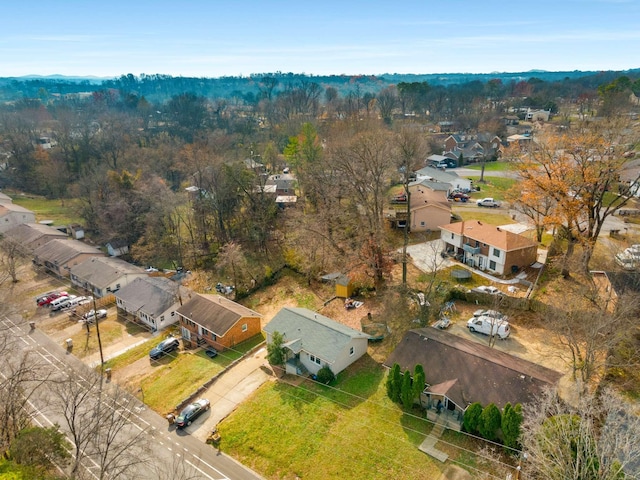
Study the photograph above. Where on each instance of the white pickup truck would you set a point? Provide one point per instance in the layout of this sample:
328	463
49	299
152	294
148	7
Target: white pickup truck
488	202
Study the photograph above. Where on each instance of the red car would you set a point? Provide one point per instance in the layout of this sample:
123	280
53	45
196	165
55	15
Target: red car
459	197
51	297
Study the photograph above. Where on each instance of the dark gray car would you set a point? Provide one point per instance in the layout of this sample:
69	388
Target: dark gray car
164	347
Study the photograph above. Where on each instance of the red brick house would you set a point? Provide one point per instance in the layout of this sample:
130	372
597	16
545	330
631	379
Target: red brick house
213	320
488	247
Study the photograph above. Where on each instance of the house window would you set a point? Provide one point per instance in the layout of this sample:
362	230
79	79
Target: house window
496	252
173	314
161	318
477	243
117	286
244	327
314	359
452	236
492	265
352	351
422	224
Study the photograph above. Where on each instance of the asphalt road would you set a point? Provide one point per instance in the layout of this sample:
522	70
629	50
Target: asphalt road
197	460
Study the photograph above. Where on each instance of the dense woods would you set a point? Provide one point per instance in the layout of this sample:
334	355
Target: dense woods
130	148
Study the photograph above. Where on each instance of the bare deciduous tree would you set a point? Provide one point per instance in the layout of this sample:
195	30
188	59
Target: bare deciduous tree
98	417
596	439
590	334
21	375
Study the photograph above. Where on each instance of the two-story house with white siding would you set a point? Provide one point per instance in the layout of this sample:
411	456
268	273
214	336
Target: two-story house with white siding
488	247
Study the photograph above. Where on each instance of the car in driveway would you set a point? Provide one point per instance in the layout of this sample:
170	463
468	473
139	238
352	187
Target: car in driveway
488	202
191	412
489	326
46	301
487	289
165	347
91	315
459	197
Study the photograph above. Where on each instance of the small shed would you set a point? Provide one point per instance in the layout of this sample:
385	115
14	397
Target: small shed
117	247
344	287
77	231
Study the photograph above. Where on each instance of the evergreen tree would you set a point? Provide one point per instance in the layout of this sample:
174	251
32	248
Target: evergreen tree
276	354
490	421
419	380
511	421
471	420
394	382
406	392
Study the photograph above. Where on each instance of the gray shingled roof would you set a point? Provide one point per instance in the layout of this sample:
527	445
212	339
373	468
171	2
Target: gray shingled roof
153	295
215	313
435	186
438	175
103	271
313	332
27	233
467	371
63	250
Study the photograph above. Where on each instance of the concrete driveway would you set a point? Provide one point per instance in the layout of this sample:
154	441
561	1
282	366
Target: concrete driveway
229	390
426	256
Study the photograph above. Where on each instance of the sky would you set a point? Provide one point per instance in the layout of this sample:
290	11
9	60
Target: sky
215	38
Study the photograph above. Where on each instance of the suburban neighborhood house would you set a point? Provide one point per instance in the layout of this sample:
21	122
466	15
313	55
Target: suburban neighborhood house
460	372
12	215
217	322
104	275
33	235
429	208
59	256
313	341
454	181
154	301
488	247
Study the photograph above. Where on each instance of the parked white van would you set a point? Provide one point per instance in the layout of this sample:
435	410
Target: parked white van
74	302
60	303
489	326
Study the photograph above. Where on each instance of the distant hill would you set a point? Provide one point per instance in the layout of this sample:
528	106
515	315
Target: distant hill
160	88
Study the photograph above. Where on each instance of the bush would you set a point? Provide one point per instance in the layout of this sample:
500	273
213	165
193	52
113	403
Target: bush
511	421
490	421
325	375
394	383
471	419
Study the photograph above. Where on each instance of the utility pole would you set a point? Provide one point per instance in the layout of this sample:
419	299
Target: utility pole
95	316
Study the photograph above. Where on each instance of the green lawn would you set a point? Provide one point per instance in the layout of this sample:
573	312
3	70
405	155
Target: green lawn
493	187
62	212
317	432
490	166
485	215
176	377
